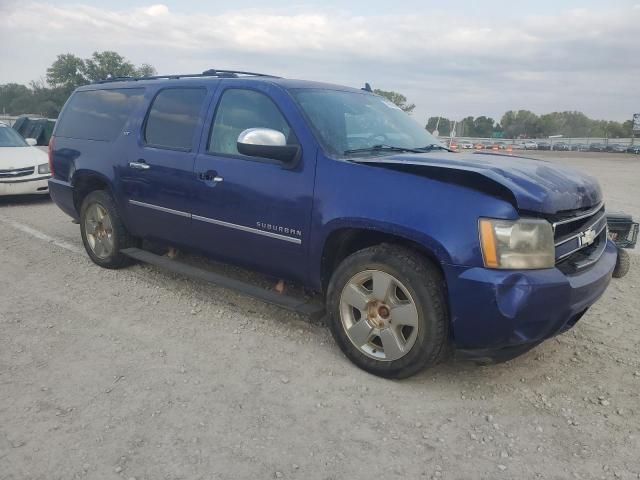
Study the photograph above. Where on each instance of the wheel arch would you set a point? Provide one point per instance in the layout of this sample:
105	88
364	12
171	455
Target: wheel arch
343	241
85	182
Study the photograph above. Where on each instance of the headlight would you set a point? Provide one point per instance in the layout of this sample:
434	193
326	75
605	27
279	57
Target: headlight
44	168
520	244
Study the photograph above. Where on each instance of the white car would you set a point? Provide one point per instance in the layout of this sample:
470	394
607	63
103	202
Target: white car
530	145
24	169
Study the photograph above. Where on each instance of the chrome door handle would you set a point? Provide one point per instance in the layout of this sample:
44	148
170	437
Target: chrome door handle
210	176
139	166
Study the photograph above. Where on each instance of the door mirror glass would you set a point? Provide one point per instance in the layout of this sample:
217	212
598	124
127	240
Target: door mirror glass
31	141
267	143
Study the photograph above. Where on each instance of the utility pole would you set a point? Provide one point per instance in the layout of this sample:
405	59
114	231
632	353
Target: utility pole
436	132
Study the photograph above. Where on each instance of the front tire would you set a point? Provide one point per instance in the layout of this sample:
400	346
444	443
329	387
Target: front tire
103	233
387	311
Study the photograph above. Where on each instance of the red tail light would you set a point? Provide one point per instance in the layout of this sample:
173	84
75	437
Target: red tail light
51	142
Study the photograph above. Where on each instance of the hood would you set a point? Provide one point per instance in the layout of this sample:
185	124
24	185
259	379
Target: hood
532	185
12	158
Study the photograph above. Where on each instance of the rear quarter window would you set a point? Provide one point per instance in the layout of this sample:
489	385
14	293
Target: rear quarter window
98	114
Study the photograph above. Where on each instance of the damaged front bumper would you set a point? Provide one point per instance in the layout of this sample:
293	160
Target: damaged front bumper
500	314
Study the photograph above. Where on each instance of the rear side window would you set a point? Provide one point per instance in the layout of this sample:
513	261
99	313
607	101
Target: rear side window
173	117
98	114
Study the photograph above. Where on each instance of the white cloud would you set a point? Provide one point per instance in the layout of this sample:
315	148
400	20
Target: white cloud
157	10
578	59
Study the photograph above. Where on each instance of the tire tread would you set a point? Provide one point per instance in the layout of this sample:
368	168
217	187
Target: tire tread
407	262
123	239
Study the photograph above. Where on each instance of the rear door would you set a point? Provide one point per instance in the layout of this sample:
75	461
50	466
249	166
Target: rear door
254	211
158	178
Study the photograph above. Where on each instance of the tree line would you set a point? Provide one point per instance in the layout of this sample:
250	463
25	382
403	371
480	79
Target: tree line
526	124
47	96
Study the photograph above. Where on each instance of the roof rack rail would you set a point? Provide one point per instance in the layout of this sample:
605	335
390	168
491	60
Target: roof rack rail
207	73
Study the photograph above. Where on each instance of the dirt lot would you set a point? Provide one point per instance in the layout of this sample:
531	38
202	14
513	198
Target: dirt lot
140	374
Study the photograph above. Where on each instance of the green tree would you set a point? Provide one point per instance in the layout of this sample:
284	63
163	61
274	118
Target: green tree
627	128
67	71
444	125
397	98
65	74
466	127
483	126
522	123
107	64
145	70
47	101
12	94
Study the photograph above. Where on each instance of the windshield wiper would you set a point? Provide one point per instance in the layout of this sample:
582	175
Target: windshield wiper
383	148
433	146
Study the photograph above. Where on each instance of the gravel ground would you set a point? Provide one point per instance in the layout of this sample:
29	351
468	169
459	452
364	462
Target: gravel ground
140	374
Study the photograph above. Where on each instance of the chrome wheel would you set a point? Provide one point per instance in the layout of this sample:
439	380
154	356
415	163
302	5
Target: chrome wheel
99	231
379	315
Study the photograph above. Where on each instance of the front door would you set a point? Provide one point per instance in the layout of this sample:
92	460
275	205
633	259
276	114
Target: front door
253	211
159	181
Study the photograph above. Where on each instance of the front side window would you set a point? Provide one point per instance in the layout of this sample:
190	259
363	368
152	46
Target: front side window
173	118
98	114
346	121
240	110
10	138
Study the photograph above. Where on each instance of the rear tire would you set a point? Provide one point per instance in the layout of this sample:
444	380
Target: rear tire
387	311
623	263
103	233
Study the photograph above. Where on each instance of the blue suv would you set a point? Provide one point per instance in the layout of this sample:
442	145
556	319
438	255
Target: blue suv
415	248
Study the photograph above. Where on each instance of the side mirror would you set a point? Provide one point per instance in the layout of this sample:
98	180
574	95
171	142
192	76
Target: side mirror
31	141
268	143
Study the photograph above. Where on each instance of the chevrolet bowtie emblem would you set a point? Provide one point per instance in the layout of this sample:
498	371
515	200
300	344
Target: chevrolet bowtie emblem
587	238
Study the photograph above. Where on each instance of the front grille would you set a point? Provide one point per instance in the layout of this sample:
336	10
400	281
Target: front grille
580	238
16	173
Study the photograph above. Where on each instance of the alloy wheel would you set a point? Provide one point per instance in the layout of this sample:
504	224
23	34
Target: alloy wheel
99	231
379	315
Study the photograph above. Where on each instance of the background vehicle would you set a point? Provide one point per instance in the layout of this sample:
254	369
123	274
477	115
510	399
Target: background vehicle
465	145
579	147
530	145
40	129
340	191
597	147
616	148
633	149
623	231
23	168
561	147
544	146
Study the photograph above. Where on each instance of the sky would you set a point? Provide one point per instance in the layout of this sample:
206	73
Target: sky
451	57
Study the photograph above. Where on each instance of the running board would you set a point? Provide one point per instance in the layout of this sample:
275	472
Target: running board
310	308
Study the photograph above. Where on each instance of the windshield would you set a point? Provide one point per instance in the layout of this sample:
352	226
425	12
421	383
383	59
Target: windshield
352	123
10	138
